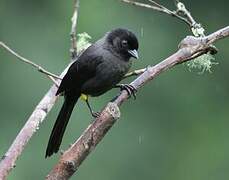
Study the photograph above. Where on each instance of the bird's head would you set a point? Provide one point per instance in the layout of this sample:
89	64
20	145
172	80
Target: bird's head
123	42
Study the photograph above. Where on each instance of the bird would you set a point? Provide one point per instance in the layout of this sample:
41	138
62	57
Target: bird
94	72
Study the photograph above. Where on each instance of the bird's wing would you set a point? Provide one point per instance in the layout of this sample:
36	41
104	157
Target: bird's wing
80	71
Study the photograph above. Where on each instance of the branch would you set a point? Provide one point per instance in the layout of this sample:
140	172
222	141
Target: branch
72	158
8	161
197	28
158	7
217	35
39	68
180	13
73	49
182	9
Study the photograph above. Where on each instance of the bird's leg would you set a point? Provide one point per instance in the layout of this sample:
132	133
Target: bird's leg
129	89
94	114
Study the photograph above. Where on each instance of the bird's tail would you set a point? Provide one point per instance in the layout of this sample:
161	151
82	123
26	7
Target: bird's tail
60	124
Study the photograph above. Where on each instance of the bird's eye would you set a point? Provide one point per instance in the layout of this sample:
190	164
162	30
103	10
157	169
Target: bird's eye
124	43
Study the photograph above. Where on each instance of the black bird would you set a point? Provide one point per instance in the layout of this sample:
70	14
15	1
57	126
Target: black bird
98	69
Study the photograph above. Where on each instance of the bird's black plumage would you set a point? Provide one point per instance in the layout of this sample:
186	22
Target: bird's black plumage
98	69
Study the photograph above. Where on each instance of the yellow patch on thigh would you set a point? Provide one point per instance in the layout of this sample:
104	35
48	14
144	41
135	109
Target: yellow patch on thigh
84	97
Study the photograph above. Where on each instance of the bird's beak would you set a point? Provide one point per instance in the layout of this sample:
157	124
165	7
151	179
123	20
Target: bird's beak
133	53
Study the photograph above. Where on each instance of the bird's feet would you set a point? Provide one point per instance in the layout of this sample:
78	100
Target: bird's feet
95	114
131	90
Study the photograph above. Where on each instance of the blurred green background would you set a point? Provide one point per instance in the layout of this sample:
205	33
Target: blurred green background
177	129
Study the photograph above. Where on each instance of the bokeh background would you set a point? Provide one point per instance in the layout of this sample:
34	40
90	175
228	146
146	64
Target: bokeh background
177	129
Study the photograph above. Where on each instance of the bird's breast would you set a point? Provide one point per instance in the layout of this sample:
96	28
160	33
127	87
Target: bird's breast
112	72
107	76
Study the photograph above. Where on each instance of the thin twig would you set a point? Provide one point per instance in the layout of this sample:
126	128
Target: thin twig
180	13
170	12
73	49
197	28
72	158
181	8
27	61
159	8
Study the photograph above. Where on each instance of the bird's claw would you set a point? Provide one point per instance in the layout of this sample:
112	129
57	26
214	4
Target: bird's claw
131	90
95	114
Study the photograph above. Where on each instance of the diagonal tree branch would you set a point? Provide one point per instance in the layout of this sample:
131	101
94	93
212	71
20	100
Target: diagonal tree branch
8	161
72	158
